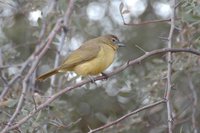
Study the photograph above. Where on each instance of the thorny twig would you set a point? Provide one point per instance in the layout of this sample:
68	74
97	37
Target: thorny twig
62	41
194	106
169	68
122	11
35	57
126	116
121	68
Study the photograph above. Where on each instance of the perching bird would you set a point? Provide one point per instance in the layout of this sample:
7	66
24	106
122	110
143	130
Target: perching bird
91	58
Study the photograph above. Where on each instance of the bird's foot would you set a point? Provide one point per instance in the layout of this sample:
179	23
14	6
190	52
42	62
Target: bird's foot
92	80
105	75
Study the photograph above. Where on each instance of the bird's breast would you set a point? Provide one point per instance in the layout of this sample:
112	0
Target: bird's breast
97	65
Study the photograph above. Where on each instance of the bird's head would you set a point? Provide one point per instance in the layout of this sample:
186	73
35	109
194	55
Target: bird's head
112	41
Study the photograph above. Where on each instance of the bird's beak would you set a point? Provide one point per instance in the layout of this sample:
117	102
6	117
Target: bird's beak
120	44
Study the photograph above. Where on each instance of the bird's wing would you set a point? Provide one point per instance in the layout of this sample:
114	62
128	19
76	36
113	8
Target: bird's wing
84	53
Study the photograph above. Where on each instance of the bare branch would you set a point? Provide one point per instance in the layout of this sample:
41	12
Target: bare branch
63	35
35	58
120	69
194	106
146	21
4	80
126	116
141	23
13	80
169	67
140	48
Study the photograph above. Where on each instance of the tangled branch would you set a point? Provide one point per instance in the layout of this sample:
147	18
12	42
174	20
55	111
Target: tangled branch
115	71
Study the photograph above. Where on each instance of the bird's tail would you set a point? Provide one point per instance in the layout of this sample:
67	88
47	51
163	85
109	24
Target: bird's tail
46	75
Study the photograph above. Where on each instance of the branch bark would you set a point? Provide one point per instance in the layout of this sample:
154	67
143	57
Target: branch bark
120	69
35	58
169	67
62	41
126	116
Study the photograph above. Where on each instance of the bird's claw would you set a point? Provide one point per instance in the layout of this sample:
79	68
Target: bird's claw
92	80
105	75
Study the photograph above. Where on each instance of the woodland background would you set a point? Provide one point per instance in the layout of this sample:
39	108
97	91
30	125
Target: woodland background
37	35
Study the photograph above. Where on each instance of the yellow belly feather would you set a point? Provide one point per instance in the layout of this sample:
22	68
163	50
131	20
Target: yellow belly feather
97	65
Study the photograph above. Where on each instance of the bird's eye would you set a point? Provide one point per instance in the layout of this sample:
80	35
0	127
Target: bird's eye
113	40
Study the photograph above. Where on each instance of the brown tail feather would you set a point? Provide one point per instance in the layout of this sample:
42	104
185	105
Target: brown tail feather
46	75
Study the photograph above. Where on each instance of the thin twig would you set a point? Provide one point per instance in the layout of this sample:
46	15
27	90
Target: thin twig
169	67
35	58
34	102
194	106
8	66
146	21
21	99
2	76
140	48
13	80
51	5
178	4
126	116
62	42
121	68
141	23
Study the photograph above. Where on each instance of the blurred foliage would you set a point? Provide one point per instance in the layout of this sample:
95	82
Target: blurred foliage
94	105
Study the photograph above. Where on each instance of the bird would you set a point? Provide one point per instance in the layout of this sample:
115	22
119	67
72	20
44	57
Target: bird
91	58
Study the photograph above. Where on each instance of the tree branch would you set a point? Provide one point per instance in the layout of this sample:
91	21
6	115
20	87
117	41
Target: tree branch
35	57
31	70
126	116
62	41
120	69
194	106
122	11
169	67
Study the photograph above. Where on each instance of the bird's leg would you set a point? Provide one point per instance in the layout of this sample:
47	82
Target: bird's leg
92	79
105	75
